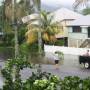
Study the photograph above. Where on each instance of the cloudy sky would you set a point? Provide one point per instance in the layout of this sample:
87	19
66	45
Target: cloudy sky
54	4
58	2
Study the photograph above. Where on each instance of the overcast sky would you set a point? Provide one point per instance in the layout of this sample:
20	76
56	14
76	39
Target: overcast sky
57	2
51	5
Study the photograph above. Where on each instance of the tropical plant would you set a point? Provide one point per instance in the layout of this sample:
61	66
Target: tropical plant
37	81
60	54
47	28
85	84
86	11
60	42
21	8
71	83
80	2
14	66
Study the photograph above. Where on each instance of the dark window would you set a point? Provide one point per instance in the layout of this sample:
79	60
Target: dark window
76	29
88	32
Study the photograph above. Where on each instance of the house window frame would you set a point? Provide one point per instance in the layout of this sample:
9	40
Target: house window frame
76	29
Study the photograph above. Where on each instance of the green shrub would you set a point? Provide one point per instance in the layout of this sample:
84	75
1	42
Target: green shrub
38	80
71	83
59	43
6	52
86	84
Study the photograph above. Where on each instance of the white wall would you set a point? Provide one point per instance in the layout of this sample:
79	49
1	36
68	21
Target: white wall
73	35
71	55
65	50
75	39
77	35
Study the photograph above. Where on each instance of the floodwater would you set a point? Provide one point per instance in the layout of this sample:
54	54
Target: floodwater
68	67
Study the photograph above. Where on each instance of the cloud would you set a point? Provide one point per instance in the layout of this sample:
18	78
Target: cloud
51	5
57	2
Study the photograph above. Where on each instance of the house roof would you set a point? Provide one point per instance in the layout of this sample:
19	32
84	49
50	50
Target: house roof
64	14
82	21
31	17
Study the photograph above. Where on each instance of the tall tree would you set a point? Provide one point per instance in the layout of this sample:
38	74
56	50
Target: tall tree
37	8
80	2
48	29
23	8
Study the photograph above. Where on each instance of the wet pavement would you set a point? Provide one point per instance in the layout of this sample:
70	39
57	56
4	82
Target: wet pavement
62	72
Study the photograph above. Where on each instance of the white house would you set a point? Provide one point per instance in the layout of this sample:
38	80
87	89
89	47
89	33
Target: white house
64	16
79	32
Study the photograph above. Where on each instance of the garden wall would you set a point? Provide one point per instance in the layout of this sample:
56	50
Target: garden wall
71	55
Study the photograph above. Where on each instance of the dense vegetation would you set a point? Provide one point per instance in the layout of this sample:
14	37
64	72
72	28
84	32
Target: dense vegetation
38	80
11	73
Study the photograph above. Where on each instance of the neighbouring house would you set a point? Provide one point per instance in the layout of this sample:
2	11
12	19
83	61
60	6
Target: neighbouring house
79	32
63	17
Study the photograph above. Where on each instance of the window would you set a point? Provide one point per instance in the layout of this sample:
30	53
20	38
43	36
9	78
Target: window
76	29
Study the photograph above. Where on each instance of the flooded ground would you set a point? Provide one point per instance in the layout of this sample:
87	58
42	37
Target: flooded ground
67	67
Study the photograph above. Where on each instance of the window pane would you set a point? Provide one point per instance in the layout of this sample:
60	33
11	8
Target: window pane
76	29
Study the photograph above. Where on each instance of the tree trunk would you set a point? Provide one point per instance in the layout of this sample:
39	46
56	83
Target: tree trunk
14	22
38	10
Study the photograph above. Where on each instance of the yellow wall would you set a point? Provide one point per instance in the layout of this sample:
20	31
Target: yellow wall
64	29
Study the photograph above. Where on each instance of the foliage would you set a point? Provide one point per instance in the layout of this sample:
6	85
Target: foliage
22	8
43	81
14	83
8	34
31	36
48	29
86	84
29	50
60	55
24	49
59	42
8	38
86	11
7	11
77	3
71	83
38	80
6	52
21	33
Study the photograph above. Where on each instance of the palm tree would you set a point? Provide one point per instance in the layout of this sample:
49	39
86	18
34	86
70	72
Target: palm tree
47	28
79	2
37	8
11	7
23	8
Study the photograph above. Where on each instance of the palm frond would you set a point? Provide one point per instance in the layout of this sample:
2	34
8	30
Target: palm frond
79	2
